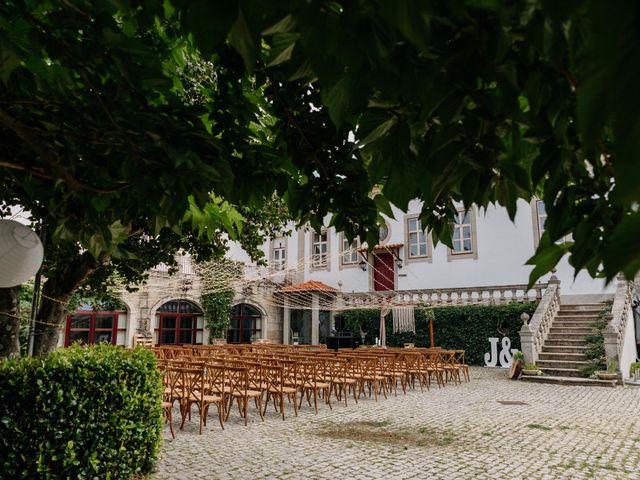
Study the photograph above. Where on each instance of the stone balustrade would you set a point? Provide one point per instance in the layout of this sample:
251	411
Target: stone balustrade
483	295
617	320
184	266
534	333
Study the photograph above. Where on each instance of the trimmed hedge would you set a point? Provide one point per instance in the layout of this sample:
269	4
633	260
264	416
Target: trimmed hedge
464	327
80	413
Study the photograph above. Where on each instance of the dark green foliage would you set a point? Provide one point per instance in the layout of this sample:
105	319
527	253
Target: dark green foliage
80	413
596	358
466	327
217	308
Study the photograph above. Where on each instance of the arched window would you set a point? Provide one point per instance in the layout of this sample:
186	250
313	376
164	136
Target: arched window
246	322
179	321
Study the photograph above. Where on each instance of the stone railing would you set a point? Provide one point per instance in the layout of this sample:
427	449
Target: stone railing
486	295
615	330
533	333
184	266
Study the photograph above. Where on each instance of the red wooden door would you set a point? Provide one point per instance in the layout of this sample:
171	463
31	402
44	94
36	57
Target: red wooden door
383	272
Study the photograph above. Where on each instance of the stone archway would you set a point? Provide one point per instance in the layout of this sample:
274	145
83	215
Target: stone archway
178	321
245	323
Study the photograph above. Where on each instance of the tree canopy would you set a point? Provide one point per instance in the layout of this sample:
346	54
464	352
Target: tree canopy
121	117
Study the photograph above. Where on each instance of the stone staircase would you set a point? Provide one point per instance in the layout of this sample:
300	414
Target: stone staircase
562	356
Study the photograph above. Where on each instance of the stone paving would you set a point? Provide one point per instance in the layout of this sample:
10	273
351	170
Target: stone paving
562	432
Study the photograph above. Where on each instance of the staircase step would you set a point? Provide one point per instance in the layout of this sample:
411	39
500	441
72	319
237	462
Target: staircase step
586	382
563	342
566	337
572	364
562	372
562	356
582	307
562	349
572	323
573	316
570	330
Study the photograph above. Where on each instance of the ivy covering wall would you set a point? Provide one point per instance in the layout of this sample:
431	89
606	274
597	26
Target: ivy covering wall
218	278
217	308
461	327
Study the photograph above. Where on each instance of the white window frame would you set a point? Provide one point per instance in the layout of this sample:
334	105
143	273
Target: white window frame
538	225
416	258
473	253
278	254
351	250
320	261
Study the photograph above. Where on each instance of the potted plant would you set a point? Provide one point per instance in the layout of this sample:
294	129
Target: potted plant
516	365
530	369
610	373
634	371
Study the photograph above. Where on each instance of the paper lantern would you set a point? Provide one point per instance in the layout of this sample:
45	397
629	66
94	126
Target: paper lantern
21	253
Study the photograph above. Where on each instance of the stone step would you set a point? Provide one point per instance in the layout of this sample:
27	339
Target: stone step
563	342
573	316
570	331
585	382
555	364
566	337
571	323
562	356
562	372
583	307
562	349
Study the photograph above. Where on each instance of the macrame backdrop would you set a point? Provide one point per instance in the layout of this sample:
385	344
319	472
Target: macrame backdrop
404	320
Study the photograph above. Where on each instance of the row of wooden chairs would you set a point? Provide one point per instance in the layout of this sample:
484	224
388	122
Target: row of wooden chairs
224	376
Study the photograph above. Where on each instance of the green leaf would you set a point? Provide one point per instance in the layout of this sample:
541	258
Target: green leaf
546	257
285	25
337	98
383	205
379	131
622	253
243	40
9	61
210	22
282	48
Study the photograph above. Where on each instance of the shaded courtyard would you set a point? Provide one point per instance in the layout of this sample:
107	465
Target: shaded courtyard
489	428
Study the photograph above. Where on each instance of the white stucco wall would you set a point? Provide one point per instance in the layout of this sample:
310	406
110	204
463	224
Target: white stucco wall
503	248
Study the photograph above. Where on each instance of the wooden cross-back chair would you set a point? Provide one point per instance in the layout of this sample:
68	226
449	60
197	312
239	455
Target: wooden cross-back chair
237	379
275	388
191	390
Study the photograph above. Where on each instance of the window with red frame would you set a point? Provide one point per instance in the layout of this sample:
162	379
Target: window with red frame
90	327
179	322
246	322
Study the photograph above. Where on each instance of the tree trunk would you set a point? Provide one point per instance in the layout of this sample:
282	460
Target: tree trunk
56	292
9	322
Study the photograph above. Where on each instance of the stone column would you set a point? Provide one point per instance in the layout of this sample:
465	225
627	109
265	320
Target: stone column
315	319
144	321
526	340
286	322
610	340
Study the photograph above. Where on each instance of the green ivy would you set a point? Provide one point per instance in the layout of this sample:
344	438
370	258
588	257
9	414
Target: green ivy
217	309
596	357
80	413
463	327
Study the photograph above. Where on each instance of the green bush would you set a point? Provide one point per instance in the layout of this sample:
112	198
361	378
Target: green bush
80	413
596	359
464	327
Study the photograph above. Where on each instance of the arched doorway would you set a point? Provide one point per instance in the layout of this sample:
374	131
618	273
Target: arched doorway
245	322
179	322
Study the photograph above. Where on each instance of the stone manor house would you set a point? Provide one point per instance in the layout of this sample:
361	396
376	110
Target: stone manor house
308	269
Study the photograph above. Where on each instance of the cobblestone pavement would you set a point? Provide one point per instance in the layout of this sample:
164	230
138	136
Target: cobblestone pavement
457	432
